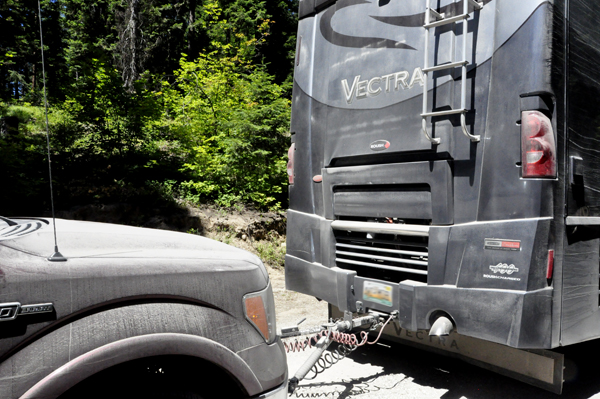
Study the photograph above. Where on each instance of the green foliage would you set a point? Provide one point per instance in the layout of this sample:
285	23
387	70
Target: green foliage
114	118
133	116
234	120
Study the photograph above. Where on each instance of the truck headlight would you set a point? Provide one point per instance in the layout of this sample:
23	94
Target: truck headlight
259	308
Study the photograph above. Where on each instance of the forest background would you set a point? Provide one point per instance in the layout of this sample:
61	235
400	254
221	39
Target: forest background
153	102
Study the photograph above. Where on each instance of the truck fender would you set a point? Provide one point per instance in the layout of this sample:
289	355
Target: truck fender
139	347
57	348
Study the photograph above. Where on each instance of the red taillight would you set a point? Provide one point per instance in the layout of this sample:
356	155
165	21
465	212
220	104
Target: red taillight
550	267
290	164
538	149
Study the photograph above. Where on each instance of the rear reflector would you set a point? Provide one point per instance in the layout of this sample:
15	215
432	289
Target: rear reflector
504	245
550	268
511	244
538	148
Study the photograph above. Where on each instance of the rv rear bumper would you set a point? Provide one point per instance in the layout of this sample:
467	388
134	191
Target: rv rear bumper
512	306
517	319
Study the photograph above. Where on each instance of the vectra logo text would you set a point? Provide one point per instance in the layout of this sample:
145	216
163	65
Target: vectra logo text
362	89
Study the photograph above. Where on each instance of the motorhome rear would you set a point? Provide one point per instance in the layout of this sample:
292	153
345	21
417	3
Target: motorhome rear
444	165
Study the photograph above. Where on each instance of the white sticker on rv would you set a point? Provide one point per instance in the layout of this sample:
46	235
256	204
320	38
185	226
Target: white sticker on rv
503	268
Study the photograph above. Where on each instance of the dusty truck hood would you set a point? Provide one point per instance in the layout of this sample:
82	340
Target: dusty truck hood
113	265
77	239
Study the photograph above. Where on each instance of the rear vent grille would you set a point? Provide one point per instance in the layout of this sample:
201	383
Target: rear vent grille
20	230
392	252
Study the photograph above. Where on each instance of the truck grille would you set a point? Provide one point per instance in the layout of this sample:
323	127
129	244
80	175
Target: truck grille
384	251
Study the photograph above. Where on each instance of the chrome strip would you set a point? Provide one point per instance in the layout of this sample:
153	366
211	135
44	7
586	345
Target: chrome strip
399	269
390	251
397	260
382	228
582	221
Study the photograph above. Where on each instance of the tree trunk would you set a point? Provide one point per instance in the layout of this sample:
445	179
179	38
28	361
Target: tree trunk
33	78
191	28
131	42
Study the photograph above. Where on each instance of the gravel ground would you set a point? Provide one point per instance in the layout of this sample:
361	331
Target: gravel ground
396	371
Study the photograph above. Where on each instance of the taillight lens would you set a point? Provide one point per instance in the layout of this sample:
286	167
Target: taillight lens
538	148
550	267
290	164
259	308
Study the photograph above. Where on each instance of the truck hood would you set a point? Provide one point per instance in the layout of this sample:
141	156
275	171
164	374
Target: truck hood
78	239
114	266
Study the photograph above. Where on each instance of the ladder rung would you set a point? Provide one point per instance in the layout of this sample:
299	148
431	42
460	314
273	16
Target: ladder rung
446	21
442	113
436	14
445	66
478	5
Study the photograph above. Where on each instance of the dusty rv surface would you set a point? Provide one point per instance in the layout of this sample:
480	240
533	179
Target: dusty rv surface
443	171
126	312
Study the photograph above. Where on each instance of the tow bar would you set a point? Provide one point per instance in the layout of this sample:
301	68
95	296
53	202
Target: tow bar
328	333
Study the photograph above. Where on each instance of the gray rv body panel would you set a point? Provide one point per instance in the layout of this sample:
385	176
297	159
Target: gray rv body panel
334	43
341	135
581	315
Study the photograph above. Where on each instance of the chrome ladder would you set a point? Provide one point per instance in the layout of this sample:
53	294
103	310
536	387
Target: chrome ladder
439	19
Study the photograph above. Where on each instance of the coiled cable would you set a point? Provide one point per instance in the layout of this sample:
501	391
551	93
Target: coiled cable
348	339
329	359
347	343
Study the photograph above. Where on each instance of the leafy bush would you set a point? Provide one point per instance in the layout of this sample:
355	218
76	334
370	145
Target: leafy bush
234	121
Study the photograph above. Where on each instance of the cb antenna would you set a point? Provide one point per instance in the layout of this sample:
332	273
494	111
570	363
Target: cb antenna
57	256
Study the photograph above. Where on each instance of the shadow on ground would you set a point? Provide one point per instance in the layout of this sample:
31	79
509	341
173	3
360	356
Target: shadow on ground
408	372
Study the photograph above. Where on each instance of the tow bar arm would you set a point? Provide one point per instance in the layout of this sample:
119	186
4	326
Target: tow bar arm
333	329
